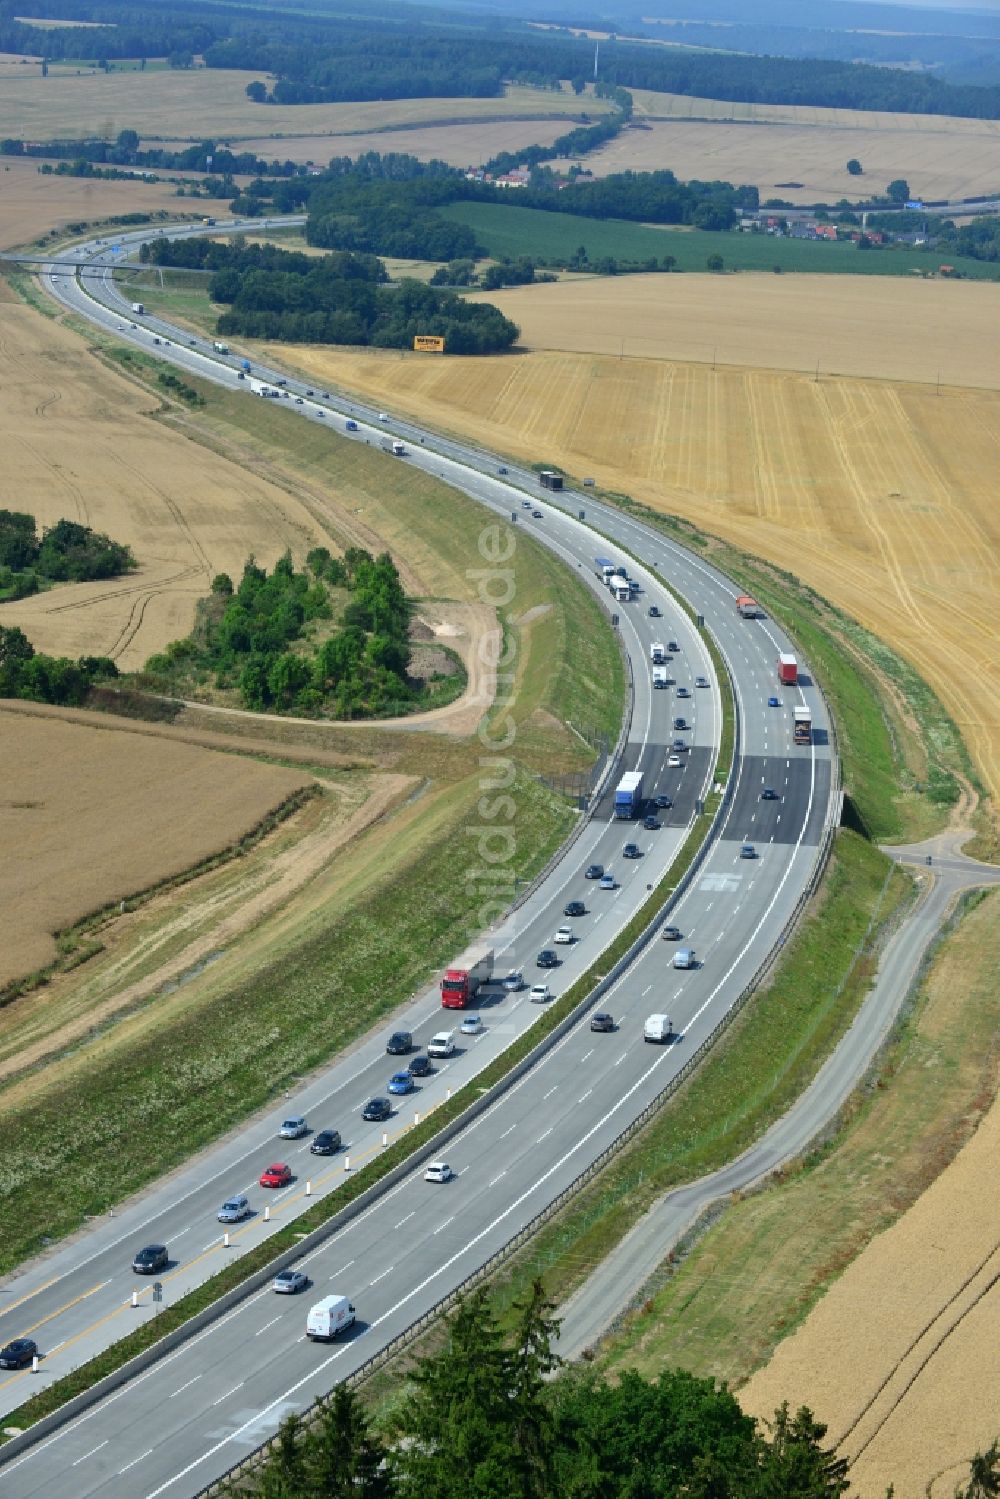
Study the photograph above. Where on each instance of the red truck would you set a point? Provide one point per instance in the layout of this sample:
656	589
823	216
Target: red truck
462	983
788	670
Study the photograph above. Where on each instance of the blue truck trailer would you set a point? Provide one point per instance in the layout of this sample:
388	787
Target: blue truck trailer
628	796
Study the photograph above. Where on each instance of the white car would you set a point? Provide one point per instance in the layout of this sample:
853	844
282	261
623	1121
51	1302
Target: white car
471	1025
383	416
674	762
293	1128
438	1171
540	993
441	1045
564	934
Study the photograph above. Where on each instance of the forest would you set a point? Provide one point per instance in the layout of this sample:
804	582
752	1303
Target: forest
66	553
392	53
26	673
340	298
274	639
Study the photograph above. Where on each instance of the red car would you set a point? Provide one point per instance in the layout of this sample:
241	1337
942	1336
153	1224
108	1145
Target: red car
278	1175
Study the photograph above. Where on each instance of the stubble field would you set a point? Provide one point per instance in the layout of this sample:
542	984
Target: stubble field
78	442
31	204
189	802
459	145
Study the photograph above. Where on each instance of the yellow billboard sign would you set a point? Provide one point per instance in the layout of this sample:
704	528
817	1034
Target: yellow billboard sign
427	343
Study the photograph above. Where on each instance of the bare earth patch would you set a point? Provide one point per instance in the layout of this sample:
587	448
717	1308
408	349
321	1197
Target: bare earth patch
97	815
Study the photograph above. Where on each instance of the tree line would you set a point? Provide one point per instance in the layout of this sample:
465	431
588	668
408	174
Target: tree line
27	673
65	553
124	151
263	639
339	298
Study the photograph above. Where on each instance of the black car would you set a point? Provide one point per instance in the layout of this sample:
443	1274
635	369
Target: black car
575	908
678	747
151	1259
654	612
377	1109
631	851
17	1353
309	392
420	1067
664	801
680	723
502	469
651	823
536	515
325	1142
594	871
399	1043
671	934
672	645
769	794
602	1022
547	958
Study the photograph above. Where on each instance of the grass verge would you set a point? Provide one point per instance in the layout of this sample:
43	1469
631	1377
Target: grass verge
722	1307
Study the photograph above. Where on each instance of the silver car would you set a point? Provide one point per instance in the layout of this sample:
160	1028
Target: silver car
234	1209
293	1128
290	1282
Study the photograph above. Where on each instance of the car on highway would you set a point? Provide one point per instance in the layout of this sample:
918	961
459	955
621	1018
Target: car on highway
399	1043
747	851
588	483
664	801
471	1026
191	343
326	395
671	934
683	692
680	723
769	795
602	1021
325	1142
513	981
701	681
293	1128
278	1175
536	515
438	1171
400	1082
383	416
540	993
654	612
420	1067
441	1045
772	702
299	401
133	325
575	908
290	1282
563	935
594	871
526	504
651	824
235	1209
281	382
376	1110
18	1352
607	882
547	959
631	851
502	468
677	746
151	1259
310	392
673	762
672	645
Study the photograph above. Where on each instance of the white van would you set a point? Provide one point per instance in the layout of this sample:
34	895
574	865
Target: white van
442	1045
328	1317
684	957
657	1028
660	676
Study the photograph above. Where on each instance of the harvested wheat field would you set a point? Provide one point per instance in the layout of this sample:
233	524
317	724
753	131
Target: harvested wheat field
70	787
77	444
888	489
193	104
921	1304
656	106
805	163
463	145
31	204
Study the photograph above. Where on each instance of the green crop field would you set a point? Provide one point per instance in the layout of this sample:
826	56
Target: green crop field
507	230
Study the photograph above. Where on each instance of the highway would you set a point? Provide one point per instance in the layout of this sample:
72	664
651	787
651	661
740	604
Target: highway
227	1390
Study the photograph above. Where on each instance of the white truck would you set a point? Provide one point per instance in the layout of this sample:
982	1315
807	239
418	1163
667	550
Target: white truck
660	678
398	450
620	587
139	307
657	652
657	1028
261	388
220	348
332	1315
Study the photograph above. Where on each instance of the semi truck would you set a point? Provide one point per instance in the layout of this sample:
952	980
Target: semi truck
803	725
328	1317
261	388
620	587
245	366
220	348
461	984
399	450
788	670
657	652
747	607
549	479
606	567
139	307
628	795
660	678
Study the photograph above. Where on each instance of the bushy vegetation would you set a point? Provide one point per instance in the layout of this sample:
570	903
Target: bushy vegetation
340	298
25	673
66	553
260	639
484	1417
